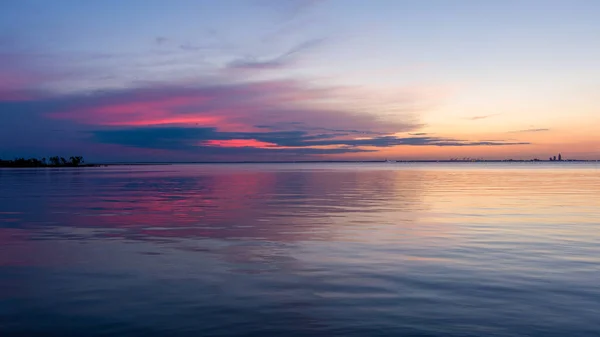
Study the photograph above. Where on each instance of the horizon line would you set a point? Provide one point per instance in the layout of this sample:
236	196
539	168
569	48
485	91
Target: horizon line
346	161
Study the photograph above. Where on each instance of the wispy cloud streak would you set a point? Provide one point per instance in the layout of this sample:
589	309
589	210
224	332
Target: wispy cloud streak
476	118
277	62
530	130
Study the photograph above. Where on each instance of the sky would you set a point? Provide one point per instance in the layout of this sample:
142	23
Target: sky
238	80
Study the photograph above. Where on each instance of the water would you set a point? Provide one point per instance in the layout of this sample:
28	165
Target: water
301	250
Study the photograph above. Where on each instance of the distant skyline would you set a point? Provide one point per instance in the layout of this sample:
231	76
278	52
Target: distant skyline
234	80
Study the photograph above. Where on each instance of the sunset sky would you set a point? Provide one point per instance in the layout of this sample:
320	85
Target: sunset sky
227	80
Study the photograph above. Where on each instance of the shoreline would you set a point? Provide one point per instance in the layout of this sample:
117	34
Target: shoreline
53	167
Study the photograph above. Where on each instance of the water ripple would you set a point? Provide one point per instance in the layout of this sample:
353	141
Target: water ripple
320	249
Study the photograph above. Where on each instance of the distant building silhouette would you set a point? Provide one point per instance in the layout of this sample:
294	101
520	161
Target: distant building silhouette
559	157
554	158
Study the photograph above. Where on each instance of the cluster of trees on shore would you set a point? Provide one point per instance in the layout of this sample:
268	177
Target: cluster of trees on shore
50	162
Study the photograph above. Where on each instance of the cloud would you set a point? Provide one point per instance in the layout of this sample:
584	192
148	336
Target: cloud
214	115
220	117
475	118
389	141
287	113
529	130
210	140
31	73
253	63
290	9
230	106
190	47
282	126
277	62
20	75
161	40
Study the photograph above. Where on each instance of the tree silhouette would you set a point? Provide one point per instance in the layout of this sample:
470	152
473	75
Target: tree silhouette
76	160
54	161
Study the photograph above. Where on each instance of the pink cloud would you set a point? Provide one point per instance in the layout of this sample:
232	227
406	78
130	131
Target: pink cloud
17	85
238	143
231	107
21	79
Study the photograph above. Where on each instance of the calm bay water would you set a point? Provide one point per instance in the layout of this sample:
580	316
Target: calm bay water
301	250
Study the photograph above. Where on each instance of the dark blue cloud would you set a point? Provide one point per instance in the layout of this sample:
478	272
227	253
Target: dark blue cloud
191	139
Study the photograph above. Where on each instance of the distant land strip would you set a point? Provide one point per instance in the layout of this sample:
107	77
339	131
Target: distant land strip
352	162
55	161
78	161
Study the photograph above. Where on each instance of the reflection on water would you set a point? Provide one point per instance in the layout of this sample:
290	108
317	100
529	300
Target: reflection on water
394	249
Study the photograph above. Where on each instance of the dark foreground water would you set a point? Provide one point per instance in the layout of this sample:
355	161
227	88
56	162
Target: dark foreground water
301	250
